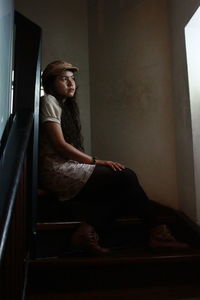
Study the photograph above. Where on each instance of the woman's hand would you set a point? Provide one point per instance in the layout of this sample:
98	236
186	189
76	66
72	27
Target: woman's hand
113	165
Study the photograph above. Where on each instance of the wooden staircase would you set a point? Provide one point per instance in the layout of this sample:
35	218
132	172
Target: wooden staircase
57	270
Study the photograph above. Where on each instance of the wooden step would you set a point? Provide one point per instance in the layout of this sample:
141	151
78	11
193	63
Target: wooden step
51	237
118	222
118	257
125	268
185	291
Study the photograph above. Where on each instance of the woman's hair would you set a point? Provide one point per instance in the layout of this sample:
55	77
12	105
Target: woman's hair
70	117
70	123
48	83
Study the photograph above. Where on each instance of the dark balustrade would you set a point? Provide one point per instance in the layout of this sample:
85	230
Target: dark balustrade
18	163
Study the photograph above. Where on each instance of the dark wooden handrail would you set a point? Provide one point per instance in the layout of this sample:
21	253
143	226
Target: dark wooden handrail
10	169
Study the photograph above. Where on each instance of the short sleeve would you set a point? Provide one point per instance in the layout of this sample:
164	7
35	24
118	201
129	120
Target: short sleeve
50	110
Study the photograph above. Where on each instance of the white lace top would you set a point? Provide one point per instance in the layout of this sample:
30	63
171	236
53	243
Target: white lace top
63	177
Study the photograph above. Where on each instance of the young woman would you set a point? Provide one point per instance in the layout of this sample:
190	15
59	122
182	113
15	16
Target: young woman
105	188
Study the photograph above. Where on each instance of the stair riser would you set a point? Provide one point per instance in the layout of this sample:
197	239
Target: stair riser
119	276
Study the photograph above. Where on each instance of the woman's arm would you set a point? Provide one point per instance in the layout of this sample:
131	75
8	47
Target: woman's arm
66	150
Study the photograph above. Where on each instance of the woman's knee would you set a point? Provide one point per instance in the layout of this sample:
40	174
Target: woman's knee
128	175
130	172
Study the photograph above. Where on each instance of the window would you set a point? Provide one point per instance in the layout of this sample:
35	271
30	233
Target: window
6	44
192	39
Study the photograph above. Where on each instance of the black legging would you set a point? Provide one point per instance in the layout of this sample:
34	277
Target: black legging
109	194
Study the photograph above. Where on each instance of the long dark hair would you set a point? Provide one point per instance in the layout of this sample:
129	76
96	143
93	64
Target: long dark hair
70	123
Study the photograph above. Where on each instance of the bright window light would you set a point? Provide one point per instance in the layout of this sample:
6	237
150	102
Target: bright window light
192	40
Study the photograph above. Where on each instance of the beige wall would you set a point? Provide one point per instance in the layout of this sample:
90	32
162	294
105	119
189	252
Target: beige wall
136	80
65	36
181	12
131	91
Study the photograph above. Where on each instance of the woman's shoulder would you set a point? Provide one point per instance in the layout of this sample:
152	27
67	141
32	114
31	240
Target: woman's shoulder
50	108
47	98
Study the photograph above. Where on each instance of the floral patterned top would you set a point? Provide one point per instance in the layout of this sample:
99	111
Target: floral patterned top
65	178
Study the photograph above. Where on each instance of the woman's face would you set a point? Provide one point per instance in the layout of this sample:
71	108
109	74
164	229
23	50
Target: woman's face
64	85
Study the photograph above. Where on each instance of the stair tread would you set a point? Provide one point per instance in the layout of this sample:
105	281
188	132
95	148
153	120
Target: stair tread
48	225
123	256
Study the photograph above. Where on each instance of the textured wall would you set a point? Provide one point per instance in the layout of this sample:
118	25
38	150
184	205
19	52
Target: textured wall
131	91
65	36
